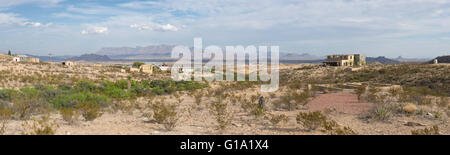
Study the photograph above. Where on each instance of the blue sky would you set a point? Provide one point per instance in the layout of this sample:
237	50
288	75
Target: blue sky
408	28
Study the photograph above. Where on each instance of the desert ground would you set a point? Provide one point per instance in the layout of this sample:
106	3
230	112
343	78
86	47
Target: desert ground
102	99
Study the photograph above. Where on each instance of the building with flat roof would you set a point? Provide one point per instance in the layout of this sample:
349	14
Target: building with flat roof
24	58
345	60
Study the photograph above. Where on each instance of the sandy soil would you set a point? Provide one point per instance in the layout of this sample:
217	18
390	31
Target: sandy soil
348	112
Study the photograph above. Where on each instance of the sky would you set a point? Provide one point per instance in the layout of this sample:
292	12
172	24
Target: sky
392	28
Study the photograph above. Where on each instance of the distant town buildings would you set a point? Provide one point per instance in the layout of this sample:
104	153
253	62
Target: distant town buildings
24	58
69	63
146	69
346	60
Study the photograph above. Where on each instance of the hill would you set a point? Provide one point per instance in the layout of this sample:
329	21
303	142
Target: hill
442	59
382	60
91	58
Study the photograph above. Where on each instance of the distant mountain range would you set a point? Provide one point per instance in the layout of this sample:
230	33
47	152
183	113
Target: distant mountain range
148	52
84	57
164	52
382	60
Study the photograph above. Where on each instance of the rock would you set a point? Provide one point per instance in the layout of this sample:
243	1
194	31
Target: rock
410	108
429	114
414	124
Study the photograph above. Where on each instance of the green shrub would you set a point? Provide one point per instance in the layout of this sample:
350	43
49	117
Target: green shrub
85	85
7	94
71	100
117	93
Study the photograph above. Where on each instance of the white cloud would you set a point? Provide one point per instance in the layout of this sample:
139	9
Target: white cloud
36	24
154	27
69	15
95	30
43	3
9	19
356	20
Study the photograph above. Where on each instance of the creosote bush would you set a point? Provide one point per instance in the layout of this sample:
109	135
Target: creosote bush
311	120
5	116
292	100
331	127
70	115
315	120
219	109
276	119
90	111
42	126
165	114
360	90
434	130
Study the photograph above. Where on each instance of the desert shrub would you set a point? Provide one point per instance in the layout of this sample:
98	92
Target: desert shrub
70	100
5	116
117	92
394	91
292	100
277	119
85	85
21	110
90	111
381	113
69	115
311	120
42	126
257	111
410	108
422	100
253	108
332	128
437	115
360	90
373	96
434	130
219	109
7	94
168	86
165	114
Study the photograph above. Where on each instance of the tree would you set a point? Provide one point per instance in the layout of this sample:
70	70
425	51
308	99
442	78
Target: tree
9	52
138	64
